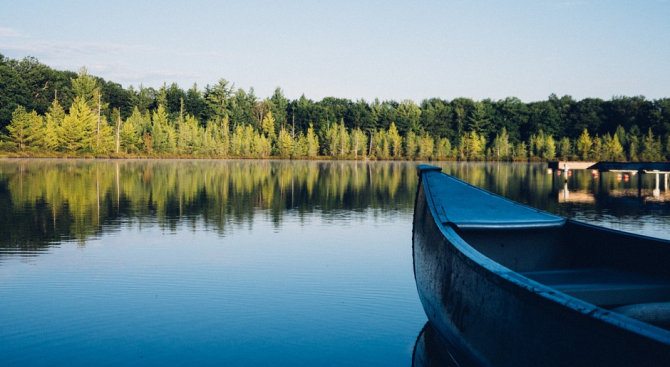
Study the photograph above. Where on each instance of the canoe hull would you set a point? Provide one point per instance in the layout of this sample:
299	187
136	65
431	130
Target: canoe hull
491	316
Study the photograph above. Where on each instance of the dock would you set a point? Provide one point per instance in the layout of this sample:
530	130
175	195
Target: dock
639	167
562	165
625	168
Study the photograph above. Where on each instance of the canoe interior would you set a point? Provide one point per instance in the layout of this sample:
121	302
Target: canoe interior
606	268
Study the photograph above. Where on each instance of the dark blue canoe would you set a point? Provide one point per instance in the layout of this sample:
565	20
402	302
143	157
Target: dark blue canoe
508	285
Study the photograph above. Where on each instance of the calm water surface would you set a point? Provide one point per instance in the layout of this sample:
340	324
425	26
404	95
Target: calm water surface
242	263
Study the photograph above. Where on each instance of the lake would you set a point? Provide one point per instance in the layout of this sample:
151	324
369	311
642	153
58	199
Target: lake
243	262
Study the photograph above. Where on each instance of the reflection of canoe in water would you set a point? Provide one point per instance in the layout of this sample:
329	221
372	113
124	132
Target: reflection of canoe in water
429	351
507	285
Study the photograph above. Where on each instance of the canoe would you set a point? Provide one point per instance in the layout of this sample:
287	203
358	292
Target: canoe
504	284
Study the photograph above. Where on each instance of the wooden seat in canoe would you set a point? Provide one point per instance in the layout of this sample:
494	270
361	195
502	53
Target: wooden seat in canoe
605	287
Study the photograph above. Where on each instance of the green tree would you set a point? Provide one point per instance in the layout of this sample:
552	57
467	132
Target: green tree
280	107
651	148
284	144
564	148
53	120
616	149
411	144
549	148
331	139
86	88
521	151
237	141
129	139
443	149
395	141
26	128
359	142
248	140
217	136
343	140
479	120
162	131
501	146
408	117
597	148
312	142
584	145
379	144
189	136
426	146
262	146
471	146
300	146
194	103
78	128
218	99
103	137
268	126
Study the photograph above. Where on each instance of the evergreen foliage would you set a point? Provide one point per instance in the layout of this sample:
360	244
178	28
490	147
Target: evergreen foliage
45	110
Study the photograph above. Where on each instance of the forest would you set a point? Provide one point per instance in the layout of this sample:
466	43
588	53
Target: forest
50	113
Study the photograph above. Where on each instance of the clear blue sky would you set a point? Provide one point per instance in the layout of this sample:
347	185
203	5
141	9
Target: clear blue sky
357	49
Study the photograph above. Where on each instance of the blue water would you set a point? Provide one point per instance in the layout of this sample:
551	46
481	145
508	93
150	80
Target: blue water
311	286
338	294
244	263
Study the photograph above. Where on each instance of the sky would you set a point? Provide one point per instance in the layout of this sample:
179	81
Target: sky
356	49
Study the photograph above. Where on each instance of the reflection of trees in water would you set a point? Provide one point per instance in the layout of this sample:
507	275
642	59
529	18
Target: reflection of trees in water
45	201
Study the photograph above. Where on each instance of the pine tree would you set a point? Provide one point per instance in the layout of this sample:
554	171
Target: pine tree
426	146
77	132
564	148
247	140
217	134
651	148
312	142
103	141
86	88
128	136
262	146
479	121
395	141
616	148
331	140
188	136
53	120
443	149
300	146
343	140
411	145
549	151
597	148
472	146
381	144
237	141
26	128
501	148
359	142
584	145
284	144
521	151
162	132
268	126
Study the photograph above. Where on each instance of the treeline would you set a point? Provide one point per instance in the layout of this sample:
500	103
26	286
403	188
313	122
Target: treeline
45	111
